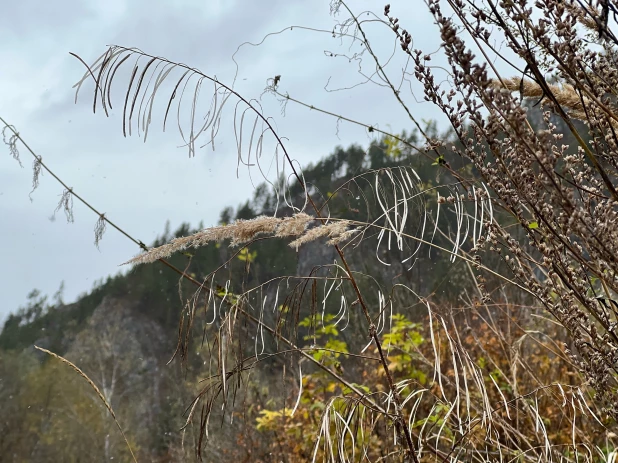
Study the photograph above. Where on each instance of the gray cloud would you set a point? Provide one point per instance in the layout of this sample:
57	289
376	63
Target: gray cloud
31	18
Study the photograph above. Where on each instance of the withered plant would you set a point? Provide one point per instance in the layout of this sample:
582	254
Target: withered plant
524	366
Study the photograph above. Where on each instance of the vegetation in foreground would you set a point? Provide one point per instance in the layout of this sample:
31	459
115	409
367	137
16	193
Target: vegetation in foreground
501	346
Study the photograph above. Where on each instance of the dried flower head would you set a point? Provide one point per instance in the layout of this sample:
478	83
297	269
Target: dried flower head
243	231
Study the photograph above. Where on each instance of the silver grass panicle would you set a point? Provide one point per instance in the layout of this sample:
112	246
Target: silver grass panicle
238	232
243	231
344	236
566	96
334	230
590	18
293	226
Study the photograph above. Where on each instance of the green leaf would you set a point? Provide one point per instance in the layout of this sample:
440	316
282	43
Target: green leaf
533	225
247	256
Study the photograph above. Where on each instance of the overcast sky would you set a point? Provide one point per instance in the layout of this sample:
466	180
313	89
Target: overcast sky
142	185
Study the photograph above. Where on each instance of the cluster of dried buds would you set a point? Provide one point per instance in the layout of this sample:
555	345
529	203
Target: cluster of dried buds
405	38
563	195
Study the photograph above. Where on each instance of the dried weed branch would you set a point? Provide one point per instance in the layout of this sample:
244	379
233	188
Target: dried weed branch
97	392
530	216
565	199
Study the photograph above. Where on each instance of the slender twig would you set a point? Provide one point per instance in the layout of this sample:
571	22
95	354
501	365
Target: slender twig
96	390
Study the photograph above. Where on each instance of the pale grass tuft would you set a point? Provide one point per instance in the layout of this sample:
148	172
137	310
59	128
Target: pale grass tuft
565	94
246	230
96	390
334	230
243	231
346	235
239	232
293	226
586	19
